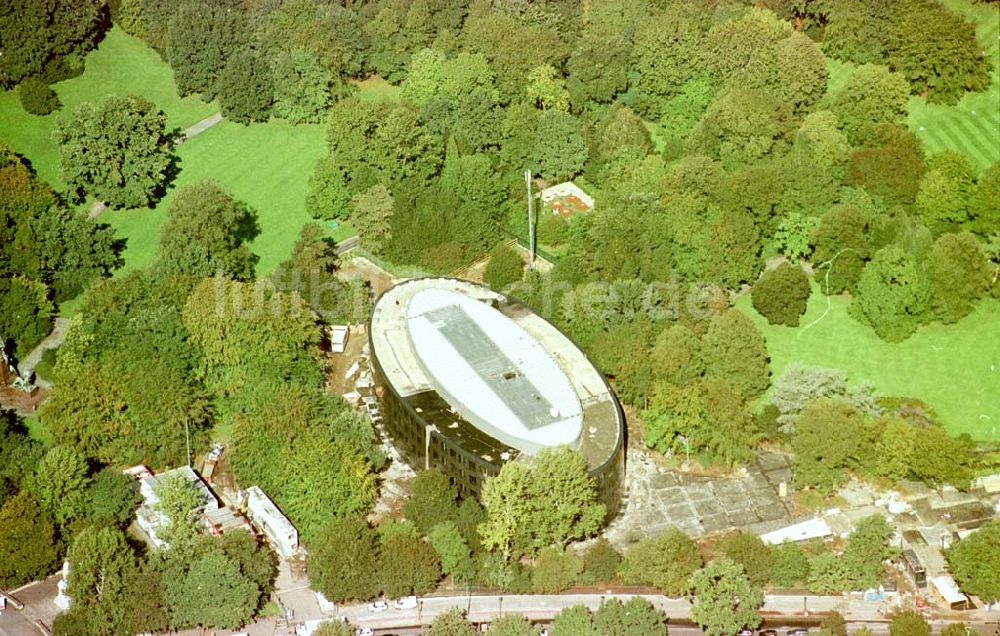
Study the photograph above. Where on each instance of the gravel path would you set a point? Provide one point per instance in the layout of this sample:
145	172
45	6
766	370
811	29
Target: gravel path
52	341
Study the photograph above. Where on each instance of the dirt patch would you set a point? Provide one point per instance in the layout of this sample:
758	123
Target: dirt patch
379	279
338	364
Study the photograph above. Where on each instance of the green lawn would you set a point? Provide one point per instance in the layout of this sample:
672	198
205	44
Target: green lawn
838	72
266	166
973	125
375	88
121	65
954	368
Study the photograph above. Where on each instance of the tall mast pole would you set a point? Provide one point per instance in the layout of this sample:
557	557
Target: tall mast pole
531	221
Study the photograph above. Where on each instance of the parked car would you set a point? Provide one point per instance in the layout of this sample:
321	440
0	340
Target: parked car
378	606
407	602
798	631
767	632
215	454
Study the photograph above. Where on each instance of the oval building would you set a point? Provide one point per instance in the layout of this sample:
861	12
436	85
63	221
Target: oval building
469	379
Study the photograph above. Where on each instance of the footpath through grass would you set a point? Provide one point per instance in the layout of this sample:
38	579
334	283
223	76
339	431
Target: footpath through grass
953	368
121	65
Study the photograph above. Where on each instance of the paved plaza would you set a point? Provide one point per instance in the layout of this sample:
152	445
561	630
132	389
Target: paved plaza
698	505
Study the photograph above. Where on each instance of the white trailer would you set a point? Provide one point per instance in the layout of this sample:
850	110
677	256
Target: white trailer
279	531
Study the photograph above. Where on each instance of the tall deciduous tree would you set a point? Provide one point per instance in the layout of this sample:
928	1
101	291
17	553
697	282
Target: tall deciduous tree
825	443
936	50
892	295
555	570
206	234
560	150
312	272
734	351
872	94
25	312
303	89
452	548
944	189
983	199
200	39
512	625
49	38
213	592
60	483
451	623
705	416
407	565
550	502
574	621
371	213
27	539
725	600
179	501
117	151
634	617
433	500
41	239
841	248
246	88
665	561
958	275
101	566
747	550
113	499
975	562
740	126
342	560
908	623
781	294
667	51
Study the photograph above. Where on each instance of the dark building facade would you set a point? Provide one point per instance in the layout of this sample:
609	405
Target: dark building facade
430	424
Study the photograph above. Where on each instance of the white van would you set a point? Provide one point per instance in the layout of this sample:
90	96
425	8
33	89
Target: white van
338	338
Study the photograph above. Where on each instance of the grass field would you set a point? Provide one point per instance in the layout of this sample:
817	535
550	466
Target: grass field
973	125
267	166
375	88
953	368
121	65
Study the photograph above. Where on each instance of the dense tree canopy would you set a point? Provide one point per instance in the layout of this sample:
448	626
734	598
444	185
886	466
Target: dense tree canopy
47	39
975	562
28	538
725	600
892	295
550	502
665	561
781	294
206	234
117	151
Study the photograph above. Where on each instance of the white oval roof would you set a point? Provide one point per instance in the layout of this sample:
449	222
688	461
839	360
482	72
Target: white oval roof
492	372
